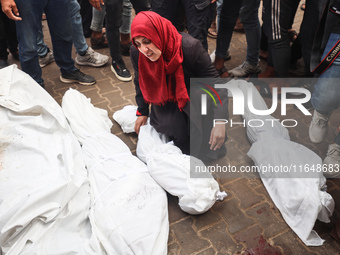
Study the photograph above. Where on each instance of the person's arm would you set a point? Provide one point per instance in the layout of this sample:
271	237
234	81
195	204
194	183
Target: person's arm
200	63
143	108
10	8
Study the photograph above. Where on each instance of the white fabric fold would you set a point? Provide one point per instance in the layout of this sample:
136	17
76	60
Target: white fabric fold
129	213
171	170
300	197
44	187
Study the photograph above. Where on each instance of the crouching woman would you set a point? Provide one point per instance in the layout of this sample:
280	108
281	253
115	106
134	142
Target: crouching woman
164	60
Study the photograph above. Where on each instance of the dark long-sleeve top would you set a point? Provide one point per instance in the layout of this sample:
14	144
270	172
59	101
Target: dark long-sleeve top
196	64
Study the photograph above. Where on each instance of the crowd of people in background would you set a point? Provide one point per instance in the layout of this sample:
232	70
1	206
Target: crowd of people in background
108	24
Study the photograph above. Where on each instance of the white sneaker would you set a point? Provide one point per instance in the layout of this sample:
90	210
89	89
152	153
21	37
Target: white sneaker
318	128
245	69
44	61
91	58
332	161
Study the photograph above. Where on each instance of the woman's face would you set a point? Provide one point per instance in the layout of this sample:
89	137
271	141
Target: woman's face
147	48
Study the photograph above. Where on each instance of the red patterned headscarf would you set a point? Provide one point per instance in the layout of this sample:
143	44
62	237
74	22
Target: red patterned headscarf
153	75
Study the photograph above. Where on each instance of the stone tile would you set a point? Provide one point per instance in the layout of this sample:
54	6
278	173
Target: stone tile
206	219
291	244
209	251
175	212
187	237
233	215
244	193
220	240
267	220
249	237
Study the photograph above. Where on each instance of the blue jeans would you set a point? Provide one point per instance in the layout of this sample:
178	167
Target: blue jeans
60	30
247	10
77	32
326	95
99	16
98	19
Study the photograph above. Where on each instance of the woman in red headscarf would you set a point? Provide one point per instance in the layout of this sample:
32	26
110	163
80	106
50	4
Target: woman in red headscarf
164	61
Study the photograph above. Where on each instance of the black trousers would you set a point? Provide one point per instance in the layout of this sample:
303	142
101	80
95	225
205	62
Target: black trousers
277	15
114	10
199	15
8	36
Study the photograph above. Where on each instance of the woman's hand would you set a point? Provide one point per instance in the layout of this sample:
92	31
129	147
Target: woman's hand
141	121
217	136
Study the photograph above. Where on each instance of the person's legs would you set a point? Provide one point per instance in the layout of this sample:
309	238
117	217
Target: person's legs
124	29
98	40
276	18
61	33
114	9
3	40
167	9
250	19
325	98
86	16
98	19
198	19
307	32
42	47
27	32
228	16
45	54
248	15
141	5
77	32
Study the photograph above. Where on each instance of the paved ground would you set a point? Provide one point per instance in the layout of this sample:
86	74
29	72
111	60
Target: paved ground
247	221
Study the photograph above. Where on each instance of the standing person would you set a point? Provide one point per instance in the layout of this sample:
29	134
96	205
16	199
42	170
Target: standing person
8	39
85	54
325	61
28	14
175	58
247	11
276	16
114	12
199	15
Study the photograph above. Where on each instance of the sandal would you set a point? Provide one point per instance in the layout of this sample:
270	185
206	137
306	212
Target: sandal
125	49
212	33
223	72
99	43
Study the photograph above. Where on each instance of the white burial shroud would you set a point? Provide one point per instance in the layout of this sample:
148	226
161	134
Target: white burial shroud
129	211
197	192
170	168
300	197
44	201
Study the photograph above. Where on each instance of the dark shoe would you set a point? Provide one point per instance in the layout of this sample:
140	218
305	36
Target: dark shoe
120	70
3	63
125	49
78	77
99	43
